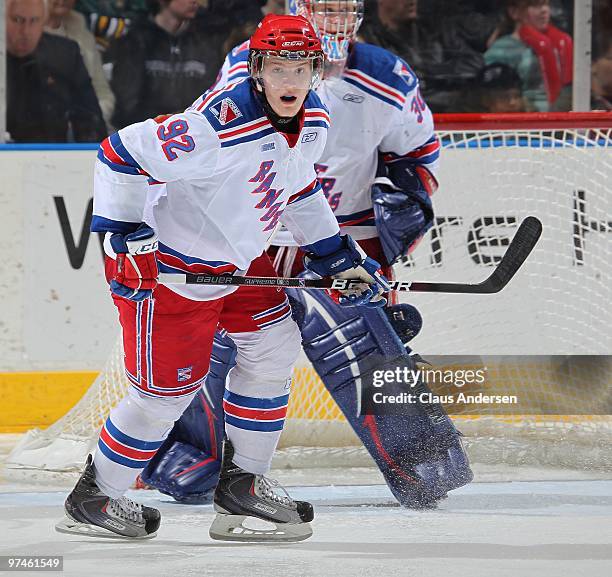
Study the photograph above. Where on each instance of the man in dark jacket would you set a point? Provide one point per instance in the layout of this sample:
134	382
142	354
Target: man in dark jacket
164	63
50	97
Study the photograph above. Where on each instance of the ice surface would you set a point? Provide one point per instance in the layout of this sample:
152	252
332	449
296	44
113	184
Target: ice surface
558	528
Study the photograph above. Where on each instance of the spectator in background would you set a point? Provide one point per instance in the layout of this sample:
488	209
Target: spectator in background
538	51
444	53
164	63
64	21
50	97
236	20
274	7
500	90
238	35
109	20
602	27
496	89
601	85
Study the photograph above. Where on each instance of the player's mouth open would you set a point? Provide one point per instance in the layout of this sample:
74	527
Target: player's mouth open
289	99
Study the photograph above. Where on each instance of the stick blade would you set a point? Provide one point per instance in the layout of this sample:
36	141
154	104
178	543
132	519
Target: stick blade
520	248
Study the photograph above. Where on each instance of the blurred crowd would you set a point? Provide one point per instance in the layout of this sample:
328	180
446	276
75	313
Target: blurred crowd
77	69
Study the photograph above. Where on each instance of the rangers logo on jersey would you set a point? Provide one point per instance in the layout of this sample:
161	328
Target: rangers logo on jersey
402	70
183	374
226	111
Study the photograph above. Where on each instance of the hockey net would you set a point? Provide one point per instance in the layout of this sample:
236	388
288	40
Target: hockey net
553	319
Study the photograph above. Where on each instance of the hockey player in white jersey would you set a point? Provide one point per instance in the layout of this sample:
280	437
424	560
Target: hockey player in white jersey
202	192
378	172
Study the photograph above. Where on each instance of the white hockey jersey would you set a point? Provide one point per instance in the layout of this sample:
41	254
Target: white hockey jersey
213	182
375	107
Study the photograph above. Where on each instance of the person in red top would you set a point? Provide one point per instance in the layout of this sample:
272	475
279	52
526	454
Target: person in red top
541	53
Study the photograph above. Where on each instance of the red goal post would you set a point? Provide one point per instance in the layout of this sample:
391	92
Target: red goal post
601	120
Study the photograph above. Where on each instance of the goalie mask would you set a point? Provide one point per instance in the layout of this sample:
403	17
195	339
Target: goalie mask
285	51
336	23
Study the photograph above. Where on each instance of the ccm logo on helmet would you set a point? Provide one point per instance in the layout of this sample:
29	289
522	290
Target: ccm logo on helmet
293	43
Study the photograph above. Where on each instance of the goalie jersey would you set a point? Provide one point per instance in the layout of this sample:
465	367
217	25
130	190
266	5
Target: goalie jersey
214	182
375	107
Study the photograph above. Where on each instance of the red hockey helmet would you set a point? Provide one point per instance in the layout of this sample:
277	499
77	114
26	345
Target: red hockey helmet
287	37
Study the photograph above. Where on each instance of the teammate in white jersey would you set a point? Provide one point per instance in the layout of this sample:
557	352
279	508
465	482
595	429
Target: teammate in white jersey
202	192
378	173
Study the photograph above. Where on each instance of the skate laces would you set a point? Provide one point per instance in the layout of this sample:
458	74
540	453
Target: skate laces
126	509
268	488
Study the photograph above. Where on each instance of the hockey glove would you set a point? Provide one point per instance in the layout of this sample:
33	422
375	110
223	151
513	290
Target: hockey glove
403	215
136	273
350	262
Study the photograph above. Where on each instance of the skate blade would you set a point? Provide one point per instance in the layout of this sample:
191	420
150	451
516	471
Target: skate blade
72	527
232	528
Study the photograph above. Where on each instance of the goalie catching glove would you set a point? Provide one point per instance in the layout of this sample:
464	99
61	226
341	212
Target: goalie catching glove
136	273
348	261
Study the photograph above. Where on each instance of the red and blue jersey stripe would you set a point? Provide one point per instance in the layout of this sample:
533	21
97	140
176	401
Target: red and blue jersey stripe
375	88
201	103
172	261
238	71
274	315
428	153
114	154
310	190
316	117
379	73
254	130
361	218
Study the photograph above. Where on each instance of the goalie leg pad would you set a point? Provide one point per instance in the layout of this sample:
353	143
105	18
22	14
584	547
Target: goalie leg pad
187	465
420	453
185	473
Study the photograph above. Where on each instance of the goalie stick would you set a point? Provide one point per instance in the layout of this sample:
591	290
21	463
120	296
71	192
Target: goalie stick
518	250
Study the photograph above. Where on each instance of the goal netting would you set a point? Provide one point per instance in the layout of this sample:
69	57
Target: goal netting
545	338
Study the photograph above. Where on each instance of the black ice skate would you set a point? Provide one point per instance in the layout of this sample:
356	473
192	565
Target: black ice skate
90	512
240	495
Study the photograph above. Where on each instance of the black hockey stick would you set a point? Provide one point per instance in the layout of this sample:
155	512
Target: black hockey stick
518	250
